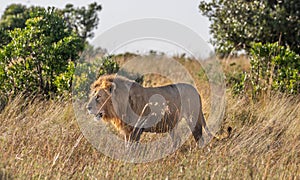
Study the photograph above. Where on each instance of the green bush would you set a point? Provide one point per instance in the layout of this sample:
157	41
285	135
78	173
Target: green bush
85	74
108	66
236	24
39	57
63	81
238	82
273	68
88	71
39	47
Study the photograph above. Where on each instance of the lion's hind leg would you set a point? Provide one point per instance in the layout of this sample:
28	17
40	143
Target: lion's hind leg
196	128
197	132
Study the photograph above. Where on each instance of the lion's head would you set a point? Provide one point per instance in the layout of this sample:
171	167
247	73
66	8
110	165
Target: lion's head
100	103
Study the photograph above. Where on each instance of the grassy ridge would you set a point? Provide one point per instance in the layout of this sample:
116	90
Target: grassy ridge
44	142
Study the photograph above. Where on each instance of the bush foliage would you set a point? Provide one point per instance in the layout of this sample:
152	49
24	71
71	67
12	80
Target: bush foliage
40	47
88	71
273	67
39	56
236	24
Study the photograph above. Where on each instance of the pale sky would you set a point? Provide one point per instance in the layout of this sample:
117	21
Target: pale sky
115	12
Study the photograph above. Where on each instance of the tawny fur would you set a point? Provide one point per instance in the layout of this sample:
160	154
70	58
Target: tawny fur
105	82
138	98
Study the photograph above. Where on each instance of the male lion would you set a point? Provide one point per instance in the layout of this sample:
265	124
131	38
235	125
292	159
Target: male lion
134	109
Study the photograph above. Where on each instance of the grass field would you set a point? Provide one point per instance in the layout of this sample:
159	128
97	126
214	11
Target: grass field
41	139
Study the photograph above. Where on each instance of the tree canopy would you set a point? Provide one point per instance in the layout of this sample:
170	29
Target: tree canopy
83	20
237	24
80	19
38	53
41	46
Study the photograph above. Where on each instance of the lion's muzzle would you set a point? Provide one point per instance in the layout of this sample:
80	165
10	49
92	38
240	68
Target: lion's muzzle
98	115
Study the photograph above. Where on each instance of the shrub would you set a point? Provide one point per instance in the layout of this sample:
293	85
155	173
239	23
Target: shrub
85	74
273	67
108	66
39	56
236	24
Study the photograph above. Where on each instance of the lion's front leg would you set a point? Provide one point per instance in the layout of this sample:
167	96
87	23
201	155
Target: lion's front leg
175	137
136	134
133	136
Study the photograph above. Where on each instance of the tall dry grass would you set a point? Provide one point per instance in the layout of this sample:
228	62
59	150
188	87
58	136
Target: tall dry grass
41	139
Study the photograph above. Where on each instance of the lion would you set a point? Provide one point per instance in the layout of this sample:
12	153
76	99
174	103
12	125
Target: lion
133	109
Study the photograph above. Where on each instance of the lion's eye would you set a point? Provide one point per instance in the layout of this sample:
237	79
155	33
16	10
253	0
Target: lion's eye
98	97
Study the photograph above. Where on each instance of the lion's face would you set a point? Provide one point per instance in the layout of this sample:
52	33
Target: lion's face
99	103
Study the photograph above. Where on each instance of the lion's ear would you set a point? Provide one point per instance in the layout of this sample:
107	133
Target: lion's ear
112	87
